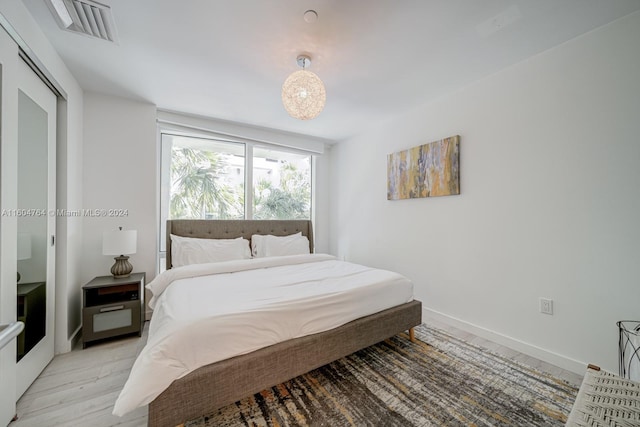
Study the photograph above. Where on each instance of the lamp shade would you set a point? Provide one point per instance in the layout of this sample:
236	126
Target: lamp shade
303	95
119	242
24	246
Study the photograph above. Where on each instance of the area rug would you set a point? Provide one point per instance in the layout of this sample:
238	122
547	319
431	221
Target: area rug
438	381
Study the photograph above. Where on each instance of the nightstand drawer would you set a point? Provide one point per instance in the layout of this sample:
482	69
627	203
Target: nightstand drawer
104	321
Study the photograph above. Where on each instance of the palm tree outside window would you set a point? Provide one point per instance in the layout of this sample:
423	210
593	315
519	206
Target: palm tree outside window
204	178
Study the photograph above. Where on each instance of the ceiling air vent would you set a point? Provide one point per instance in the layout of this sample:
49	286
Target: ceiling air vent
85	17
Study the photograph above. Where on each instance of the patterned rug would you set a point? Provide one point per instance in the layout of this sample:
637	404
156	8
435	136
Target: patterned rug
438	381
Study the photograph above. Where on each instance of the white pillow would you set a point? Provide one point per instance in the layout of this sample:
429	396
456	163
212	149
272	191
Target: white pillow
189	250
258	245
269	245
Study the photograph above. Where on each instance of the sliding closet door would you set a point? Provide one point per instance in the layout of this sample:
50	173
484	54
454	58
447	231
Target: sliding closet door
35	226
8	200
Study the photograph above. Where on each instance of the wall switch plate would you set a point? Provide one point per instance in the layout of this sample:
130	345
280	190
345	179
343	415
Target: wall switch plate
546	306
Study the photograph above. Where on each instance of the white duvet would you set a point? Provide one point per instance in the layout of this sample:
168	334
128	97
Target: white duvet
205	313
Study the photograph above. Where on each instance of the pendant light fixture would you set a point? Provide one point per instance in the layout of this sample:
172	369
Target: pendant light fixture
303	93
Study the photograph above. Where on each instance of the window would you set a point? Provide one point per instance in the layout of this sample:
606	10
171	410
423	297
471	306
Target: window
208	178
281	185
205	178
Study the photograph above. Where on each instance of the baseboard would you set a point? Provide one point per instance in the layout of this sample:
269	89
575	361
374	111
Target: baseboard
68	344
76	336
556	359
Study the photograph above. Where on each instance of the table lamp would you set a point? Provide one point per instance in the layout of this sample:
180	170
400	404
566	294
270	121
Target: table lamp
120	242
24	248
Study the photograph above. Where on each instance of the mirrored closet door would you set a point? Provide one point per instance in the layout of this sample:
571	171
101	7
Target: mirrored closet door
35	226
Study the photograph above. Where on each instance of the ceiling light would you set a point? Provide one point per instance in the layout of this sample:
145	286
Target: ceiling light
303	93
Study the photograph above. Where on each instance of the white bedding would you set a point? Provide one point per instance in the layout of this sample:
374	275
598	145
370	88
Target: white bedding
205	313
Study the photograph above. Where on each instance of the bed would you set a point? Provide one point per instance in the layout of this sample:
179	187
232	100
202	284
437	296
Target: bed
215	385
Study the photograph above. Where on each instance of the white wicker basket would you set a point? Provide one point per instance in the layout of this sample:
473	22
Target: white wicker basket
606	400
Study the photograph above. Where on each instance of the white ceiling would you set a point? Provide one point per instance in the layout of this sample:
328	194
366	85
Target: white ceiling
377	58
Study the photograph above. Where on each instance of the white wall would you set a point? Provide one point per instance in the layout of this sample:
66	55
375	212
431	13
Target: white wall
120	170
548	207
69	170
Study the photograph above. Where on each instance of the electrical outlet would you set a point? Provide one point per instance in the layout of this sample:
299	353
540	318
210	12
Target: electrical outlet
546	306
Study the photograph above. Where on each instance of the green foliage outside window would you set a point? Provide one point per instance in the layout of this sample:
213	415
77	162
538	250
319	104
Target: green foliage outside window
201	188
290	200
198	187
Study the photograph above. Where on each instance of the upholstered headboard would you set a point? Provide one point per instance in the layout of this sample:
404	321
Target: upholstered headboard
233	228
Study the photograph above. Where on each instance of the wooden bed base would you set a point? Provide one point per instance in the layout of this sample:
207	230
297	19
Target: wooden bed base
211	387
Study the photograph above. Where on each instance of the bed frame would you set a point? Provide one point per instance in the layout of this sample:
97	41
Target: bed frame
213	386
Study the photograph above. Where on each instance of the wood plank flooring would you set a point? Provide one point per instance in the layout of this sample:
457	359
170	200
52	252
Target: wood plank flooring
79	388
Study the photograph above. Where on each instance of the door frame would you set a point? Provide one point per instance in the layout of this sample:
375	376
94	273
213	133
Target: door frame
8	224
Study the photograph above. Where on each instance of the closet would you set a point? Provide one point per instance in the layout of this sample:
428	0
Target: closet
27	222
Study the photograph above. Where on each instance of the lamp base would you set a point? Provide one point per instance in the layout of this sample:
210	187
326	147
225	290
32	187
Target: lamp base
122	267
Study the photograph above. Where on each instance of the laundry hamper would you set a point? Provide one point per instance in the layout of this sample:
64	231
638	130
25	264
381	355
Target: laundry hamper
605	399
629	350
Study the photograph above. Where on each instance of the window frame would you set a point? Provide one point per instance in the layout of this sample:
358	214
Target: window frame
164	162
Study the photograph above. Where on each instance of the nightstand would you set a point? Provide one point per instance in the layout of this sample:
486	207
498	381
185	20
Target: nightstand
112	307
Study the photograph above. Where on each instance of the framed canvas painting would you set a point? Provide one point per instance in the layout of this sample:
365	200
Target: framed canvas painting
427	170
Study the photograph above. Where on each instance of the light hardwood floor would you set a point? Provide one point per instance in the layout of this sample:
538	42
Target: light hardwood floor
79	388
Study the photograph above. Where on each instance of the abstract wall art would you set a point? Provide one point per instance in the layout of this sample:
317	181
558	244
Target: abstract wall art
427	170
